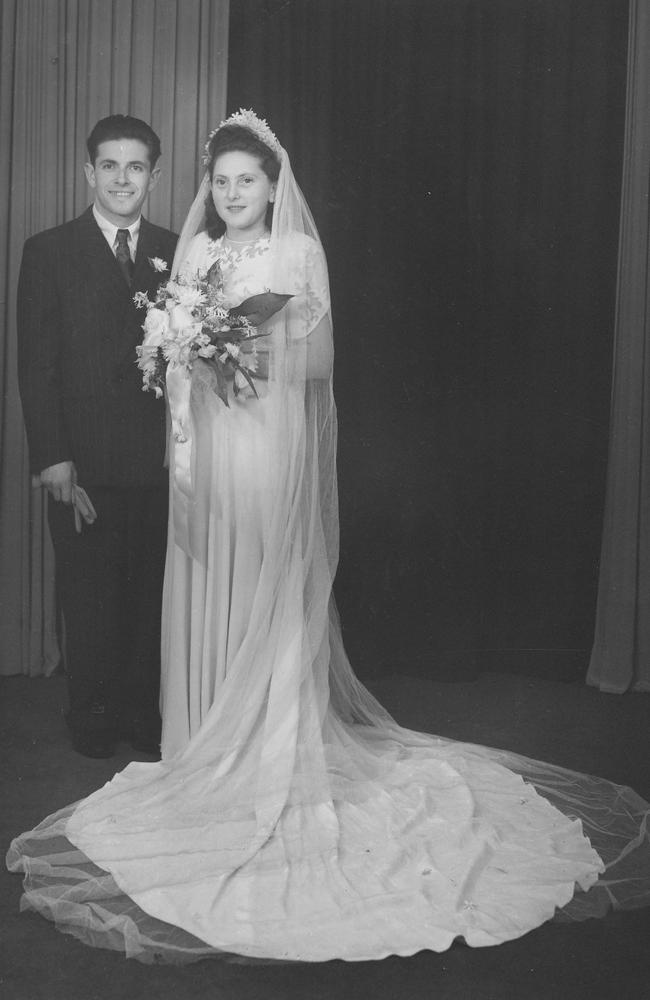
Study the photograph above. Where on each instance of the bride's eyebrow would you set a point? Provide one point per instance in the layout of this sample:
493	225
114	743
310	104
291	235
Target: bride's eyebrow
244	173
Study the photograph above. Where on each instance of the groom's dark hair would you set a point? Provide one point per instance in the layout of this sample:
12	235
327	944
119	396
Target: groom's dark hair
123	127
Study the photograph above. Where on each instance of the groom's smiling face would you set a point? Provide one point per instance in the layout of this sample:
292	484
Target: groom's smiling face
121	178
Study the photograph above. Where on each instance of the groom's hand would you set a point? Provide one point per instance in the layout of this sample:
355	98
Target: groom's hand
59	479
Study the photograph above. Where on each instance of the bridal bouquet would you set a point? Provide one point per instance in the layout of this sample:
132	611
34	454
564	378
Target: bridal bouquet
189	320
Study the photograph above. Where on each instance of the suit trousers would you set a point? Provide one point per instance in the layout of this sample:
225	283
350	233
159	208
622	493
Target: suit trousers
109	581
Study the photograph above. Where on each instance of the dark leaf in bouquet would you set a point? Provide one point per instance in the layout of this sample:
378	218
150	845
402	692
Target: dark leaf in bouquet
235	334
221	387
213	276
258	308
248	377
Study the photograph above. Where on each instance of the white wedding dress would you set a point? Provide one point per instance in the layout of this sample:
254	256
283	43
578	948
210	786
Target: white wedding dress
290	817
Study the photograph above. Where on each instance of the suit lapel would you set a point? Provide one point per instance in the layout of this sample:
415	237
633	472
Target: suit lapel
96	259
96	256
145	277
96	264
97	268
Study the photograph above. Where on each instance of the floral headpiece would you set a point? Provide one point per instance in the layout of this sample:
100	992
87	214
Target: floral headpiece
246	118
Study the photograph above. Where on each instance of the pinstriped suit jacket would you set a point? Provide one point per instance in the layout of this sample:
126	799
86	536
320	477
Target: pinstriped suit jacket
77	331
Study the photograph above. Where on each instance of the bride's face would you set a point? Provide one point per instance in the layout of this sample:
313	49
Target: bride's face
241	192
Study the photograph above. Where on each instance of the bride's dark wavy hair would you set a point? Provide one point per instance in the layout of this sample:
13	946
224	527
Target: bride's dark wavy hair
235	139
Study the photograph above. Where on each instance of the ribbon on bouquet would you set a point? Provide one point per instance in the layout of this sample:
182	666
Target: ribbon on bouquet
179	390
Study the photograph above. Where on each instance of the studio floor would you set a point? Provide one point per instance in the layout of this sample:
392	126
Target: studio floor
566	723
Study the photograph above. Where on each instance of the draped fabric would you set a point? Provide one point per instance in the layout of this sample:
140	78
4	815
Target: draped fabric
28	641
462	159
620	659
64	65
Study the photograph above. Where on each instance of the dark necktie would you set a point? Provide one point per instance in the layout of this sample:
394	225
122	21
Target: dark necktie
123	256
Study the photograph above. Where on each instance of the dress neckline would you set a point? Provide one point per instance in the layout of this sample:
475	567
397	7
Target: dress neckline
235	247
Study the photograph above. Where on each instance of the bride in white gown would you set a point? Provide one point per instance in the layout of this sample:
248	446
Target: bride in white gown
290	816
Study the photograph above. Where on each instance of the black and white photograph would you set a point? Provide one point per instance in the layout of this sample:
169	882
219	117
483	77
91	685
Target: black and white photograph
325	499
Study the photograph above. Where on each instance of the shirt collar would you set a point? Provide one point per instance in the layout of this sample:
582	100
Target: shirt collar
110	231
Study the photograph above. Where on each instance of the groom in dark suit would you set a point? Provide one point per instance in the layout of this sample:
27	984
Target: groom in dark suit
93	431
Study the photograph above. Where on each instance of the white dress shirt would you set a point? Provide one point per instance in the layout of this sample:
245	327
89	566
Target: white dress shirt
110	232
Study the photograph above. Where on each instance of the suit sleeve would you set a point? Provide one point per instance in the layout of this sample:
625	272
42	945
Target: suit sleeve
39	347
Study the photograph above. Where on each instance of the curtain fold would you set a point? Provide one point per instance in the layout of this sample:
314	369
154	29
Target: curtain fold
462	160
620	659
65	64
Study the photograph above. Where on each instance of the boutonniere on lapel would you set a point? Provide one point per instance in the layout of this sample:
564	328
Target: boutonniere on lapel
159	264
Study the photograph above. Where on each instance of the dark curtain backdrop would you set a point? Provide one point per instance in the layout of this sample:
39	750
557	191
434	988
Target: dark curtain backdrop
620	659
463	162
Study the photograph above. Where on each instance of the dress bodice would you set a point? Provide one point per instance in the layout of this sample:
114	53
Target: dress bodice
246	269
295	266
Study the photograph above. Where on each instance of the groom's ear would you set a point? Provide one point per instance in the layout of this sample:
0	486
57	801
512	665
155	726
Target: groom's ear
154	177
89	170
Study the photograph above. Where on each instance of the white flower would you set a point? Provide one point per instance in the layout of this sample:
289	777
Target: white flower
158	264
155	327
180	319
147	360
171	290
231	350
208	351
204	347
147	355
189	297
141	300
178	353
